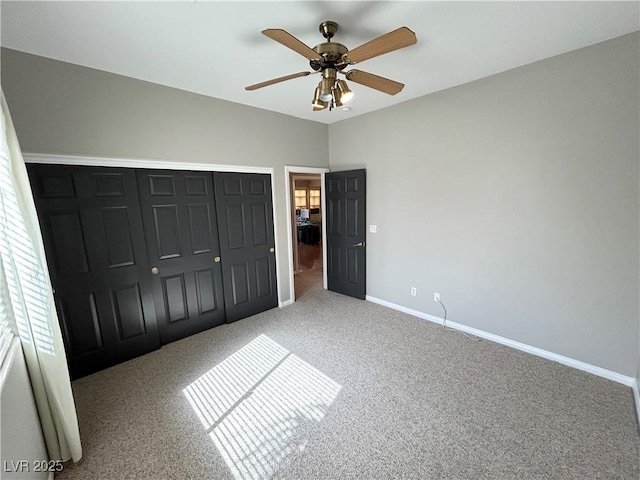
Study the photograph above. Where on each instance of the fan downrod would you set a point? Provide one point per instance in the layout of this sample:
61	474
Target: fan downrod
328	29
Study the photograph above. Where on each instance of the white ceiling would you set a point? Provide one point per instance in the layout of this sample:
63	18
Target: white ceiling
216	48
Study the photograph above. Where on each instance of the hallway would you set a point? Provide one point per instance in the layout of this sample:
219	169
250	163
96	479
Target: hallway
309	276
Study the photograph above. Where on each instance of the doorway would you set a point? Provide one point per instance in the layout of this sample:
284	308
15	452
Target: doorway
306	218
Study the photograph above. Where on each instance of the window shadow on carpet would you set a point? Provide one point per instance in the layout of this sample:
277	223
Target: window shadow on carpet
259	405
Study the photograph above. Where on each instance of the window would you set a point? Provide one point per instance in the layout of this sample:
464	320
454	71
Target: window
25	304
307	197
301	198
314	198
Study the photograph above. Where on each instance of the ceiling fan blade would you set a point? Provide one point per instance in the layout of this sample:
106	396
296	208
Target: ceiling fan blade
277	80
399	38
374	81
289	41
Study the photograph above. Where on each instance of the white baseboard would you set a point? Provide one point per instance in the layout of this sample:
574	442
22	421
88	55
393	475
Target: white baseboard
286	303
585	367
636	397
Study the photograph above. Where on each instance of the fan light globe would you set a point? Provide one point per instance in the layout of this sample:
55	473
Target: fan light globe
345	93
347	96
325	86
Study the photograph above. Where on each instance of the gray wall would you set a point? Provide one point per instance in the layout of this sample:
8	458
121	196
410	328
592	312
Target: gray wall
516	197
60	108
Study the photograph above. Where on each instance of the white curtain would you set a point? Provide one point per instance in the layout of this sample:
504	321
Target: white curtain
26	293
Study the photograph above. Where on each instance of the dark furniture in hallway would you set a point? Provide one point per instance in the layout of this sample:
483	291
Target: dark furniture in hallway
309	233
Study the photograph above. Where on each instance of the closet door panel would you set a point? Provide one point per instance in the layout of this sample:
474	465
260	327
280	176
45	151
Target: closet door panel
245	216
95	246
180	223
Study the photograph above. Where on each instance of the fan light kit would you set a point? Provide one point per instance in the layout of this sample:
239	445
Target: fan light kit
331	58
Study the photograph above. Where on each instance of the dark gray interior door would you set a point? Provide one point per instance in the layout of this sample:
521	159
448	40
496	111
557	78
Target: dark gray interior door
178	210
346	232
245	218
92	228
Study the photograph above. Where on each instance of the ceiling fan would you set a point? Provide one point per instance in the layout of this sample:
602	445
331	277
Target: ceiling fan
330	58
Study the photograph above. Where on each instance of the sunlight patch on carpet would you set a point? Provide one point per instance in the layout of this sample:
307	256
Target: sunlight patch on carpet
258	406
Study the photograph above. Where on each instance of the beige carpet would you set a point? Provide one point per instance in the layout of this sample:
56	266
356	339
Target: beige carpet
336	388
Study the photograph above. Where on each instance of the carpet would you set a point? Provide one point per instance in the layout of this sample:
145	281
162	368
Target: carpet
336	388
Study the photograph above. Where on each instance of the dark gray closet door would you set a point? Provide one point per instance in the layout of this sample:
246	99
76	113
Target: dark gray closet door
346	223
94	242
178	209
245	218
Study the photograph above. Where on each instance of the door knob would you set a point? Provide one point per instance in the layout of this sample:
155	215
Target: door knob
272	249
359	244
155	270
216	259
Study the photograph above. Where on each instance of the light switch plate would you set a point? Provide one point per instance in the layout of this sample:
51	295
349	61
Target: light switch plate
373	228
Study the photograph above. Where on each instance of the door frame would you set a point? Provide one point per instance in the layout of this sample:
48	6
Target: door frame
288	170
91	161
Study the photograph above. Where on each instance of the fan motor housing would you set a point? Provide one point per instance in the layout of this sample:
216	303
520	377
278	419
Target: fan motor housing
332	53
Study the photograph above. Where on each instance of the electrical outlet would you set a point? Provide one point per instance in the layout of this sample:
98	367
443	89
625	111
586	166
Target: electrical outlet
436	297
414	291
